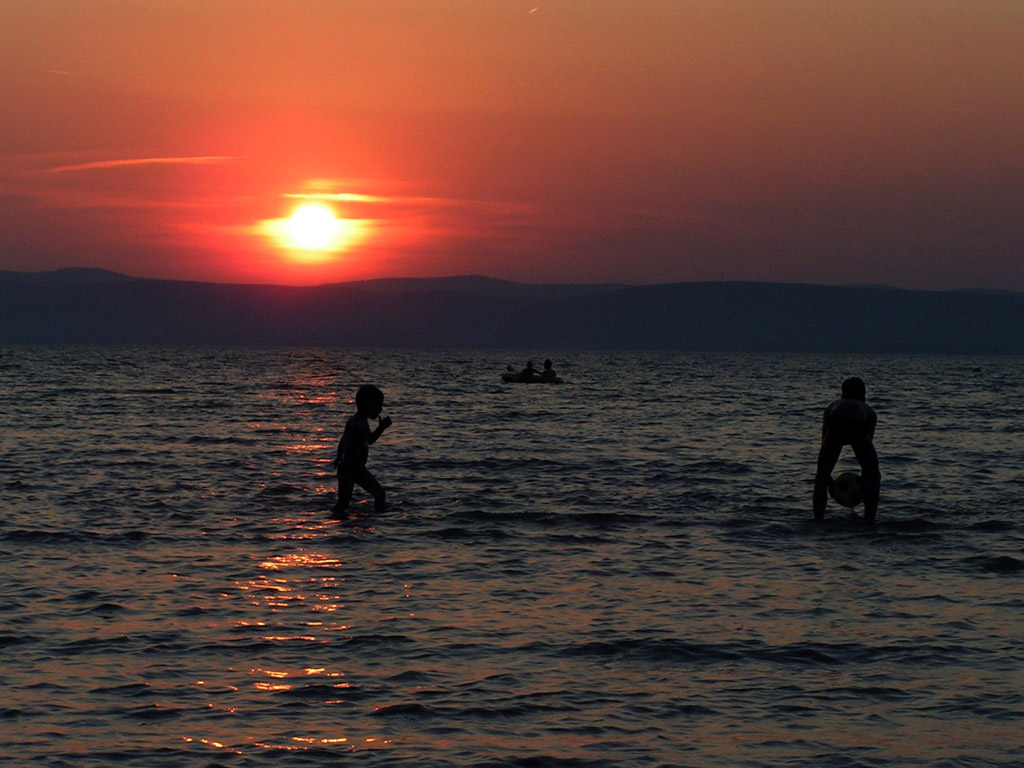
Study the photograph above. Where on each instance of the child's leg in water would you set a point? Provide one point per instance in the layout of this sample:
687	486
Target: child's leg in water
346	482
828	455
369	483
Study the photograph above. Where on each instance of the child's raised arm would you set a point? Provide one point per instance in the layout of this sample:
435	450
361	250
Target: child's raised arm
382	424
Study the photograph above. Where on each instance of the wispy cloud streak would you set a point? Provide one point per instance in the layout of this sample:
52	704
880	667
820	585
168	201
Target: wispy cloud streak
343	197
105	164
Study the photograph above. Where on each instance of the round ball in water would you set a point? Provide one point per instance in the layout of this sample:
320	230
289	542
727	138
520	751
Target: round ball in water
846	489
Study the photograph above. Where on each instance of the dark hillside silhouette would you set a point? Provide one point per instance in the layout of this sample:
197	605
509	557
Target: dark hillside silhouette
99	307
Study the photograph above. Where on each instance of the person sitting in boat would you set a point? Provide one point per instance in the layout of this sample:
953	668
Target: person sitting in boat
529	372
548	374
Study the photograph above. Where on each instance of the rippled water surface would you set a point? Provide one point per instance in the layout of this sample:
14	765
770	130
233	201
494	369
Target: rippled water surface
621	570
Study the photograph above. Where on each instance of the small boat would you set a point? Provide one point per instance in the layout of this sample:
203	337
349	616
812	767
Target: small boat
518	378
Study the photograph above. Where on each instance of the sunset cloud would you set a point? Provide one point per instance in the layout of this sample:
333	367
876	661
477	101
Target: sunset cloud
101	165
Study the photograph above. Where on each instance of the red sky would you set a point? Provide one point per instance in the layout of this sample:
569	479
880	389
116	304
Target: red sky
864	141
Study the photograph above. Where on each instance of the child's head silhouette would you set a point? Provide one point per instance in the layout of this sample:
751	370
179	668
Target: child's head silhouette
854	389
369	400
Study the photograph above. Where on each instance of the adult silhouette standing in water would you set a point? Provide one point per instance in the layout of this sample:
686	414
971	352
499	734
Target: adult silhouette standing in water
848	421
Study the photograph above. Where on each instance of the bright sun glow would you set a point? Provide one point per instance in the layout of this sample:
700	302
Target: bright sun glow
313	233
314	227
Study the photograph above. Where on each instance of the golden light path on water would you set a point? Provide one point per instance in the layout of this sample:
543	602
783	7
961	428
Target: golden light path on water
297	596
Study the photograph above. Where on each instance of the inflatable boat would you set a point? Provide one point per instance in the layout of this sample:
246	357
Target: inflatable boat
518	378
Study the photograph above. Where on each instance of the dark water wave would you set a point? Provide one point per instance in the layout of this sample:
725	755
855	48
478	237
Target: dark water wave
618	571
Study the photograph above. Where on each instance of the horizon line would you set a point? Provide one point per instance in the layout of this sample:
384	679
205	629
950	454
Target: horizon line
475	276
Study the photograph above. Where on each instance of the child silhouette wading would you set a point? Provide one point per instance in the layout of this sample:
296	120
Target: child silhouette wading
848	421
354	449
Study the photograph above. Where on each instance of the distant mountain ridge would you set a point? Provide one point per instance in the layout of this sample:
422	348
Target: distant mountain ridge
90	306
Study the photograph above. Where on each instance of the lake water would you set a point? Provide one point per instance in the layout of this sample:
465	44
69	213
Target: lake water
618	571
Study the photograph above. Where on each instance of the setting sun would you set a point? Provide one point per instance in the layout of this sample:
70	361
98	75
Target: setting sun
314	227
313	232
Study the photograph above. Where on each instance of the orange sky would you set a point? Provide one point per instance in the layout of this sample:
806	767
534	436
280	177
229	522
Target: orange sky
867	141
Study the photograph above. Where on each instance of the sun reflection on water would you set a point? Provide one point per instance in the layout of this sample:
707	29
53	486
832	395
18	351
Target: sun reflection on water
295	584
300	560
295	599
